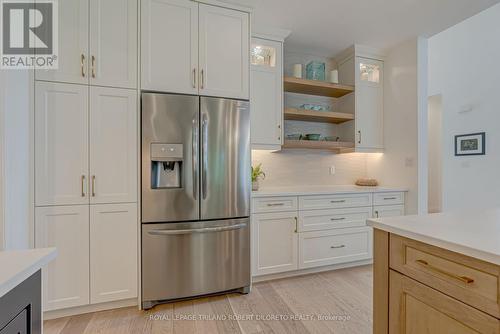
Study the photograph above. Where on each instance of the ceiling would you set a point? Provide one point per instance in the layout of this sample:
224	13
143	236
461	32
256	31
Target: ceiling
326	27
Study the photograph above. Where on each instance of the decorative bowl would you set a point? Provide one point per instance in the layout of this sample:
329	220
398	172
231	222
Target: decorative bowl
312	136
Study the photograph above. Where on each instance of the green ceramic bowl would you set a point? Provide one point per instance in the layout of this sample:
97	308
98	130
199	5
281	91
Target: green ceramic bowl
294	136
312	136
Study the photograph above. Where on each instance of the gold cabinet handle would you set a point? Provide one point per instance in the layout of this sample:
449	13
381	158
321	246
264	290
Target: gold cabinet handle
463	279
296	224
83	185
93	185
82	64
93	67
202	79
194	77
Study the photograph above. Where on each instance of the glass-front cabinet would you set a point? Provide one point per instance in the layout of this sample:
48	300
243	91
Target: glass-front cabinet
266	93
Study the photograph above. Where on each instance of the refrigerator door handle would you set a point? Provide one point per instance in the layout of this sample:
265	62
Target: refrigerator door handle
194	138
199	230
204	157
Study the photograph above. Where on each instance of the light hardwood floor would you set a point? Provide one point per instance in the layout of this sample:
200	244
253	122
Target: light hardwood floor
345	293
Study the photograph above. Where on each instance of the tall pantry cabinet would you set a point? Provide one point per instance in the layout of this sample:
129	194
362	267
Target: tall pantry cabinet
86	155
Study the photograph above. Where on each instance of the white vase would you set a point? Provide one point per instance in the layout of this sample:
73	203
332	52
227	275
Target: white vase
255	185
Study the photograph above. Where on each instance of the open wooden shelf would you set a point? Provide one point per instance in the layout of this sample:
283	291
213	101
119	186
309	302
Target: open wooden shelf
317	116
337	146
314	87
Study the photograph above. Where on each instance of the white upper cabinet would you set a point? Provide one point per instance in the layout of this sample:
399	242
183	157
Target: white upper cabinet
369	103
169	45
61	144
113	145
266	81
113	252
66	279
73	36
113	43
109	29
224	52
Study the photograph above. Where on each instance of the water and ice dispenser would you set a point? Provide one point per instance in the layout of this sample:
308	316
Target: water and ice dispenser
166	166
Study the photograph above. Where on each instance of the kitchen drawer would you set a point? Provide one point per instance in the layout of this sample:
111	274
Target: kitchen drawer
388	211
317	220
19	325
415	308
335	201
391	198
274	204
321	248
469	280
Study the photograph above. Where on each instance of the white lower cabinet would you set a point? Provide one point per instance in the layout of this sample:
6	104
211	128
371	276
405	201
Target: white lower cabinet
321	248
66	279
310	231
96	253
388	211
113	252
275	242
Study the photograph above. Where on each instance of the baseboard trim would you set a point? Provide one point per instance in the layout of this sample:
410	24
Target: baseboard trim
269	277
89	309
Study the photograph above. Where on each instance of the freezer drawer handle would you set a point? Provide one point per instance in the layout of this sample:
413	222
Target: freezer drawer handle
336	219
389	198
339	201
199	230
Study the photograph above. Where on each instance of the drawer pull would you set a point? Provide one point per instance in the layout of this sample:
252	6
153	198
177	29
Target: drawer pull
464	279
275	204
389	198
335	247
339	201
337	219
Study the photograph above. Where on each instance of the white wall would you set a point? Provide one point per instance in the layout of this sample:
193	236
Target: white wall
16	158
435	153
463	68
398	165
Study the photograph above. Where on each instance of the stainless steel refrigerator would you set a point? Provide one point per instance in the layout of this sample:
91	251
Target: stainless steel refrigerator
195	196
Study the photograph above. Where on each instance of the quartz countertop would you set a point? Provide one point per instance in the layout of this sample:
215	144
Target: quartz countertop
472	233
17	265
321	190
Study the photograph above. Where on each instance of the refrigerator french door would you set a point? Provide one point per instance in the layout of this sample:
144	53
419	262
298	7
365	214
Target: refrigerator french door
195	196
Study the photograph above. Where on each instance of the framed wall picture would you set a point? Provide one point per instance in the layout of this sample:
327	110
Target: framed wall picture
471	144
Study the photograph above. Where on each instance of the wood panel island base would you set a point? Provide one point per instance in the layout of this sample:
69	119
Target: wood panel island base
427	281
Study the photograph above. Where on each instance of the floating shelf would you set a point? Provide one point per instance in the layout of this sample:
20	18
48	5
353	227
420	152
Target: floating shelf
337	146
317	116
314	87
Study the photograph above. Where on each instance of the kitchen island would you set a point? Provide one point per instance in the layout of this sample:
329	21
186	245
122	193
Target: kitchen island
20	289
437	273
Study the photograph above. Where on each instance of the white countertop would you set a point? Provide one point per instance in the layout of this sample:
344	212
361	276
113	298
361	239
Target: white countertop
17	265
320	190
472	233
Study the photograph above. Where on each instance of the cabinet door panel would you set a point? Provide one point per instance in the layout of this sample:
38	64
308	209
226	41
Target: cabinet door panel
416	308
113	43
388	211
369	105
61	144
66	279
113	252
267	95
275	242
73	38
224	52
169	46
113	145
